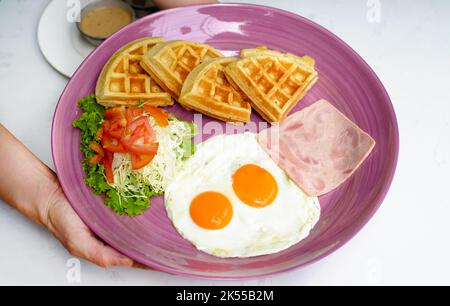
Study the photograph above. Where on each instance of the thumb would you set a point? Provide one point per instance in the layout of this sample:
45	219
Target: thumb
79	240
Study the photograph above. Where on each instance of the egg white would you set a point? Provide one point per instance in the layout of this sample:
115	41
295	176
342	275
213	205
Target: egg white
252	231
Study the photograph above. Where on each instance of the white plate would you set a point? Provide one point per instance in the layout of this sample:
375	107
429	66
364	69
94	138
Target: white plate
59	39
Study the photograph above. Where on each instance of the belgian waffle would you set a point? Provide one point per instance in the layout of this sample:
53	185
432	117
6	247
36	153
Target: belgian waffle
263	50
274	84
171	62
124	82
208	91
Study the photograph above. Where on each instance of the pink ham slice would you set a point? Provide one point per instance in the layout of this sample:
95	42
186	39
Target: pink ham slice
318	147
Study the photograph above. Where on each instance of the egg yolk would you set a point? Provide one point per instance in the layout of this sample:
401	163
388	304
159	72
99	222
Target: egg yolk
255	186
211	210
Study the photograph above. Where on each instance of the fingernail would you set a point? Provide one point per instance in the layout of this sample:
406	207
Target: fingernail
123	261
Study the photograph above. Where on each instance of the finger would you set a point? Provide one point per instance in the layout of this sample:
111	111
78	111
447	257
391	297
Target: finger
85	245
79	240
117	259
138	265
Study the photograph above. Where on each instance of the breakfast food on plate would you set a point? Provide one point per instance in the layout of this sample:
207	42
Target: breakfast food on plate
131	154
232	200
274	84
318	147
239	195
263	50
208	91
124	82
171	62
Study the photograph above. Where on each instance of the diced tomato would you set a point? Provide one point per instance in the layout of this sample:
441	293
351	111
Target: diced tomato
161	116
136	112
95	160
113	145
106	125
100	134
97	148
140	161
114	127
149	133
138	133
115	112
129	115
136	123
132	113
107	162
142	149
116	134
118	123
126	130
139	138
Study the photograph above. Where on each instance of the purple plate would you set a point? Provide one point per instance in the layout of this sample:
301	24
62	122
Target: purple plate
345	80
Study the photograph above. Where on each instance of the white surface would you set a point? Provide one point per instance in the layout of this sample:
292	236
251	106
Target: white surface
407	240
59	40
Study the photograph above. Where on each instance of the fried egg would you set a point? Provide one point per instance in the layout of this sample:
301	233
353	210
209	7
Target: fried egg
232	200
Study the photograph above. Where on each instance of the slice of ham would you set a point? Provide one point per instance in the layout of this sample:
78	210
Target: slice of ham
318	147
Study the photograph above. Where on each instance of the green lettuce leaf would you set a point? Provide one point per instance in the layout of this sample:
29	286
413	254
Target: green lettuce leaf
89	123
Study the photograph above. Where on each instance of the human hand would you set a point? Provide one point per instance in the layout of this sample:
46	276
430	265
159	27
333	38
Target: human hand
32	188
60	218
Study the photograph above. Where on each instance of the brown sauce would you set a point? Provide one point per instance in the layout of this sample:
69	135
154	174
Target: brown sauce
103	21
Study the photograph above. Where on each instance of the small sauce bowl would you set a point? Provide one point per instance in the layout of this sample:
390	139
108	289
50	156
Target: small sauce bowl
101	19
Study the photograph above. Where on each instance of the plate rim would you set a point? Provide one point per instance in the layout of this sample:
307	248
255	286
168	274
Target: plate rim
396	137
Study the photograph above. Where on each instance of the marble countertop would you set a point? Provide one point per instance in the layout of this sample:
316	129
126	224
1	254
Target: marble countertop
408	46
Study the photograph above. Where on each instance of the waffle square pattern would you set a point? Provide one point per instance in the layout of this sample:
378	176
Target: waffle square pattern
208	91
274	84
124	82
171	62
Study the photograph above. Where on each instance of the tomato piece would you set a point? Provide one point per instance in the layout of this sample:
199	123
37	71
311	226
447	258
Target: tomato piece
138	134
150	138
132	112
113	145
97	148
128	115
138	137
140	161
106	125
137	111
100	134
161	116
107	162
149	133
128	132
118	123
117	133
114	128
115	112
134	125
142	149
96	159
